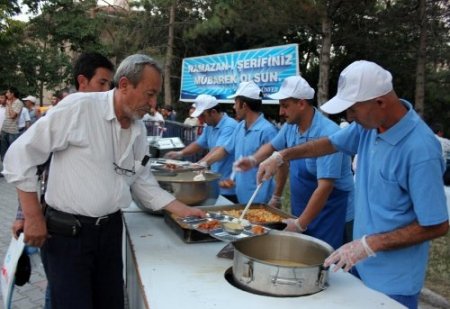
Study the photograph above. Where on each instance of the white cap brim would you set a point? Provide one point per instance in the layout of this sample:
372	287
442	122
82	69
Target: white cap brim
336	105
197	112
278	96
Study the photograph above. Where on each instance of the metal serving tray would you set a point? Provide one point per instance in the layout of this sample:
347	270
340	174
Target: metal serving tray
159	164
186	227
272	225
185	230
222	235
219	233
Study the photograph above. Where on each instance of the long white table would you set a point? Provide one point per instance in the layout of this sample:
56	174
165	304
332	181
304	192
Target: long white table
163	272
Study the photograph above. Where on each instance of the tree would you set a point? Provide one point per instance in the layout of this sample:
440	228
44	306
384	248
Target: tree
421	58
38	53
169	55
330	34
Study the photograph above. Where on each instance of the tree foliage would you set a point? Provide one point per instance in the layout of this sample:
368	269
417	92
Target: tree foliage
384	31
37	54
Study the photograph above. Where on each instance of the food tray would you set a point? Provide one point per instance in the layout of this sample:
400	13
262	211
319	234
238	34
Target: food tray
276	225
185	230
218	232
169	165
184	227
222	235
190	228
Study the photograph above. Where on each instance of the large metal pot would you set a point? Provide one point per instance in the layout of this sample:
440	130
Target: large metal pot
189	191
281	263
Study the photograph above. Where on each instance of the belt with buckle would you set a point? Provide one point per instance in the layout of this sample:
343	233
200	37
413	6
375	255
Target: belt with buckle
96	220
90	220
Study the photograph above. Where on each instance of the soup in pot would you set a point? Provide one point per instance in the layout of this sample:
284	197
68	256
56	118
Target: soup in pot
286	263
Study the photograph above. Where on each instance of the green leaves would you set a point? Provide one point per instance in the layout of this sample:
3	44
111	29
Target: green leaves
383	31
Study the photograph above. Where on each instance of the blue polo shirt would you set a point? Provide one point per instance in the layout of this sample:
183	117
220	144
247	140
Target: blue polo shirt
336	166
218	136
398	181
245	142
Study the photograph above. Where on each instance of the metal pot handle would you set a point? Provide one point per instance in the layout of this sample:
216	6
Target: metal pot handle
322	278
287	281
247	272
276	280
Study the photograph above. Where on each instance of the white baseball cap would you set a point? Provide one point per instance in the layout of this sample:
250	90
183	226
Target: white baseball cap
360	81
203	102
294	87
249	90
30	98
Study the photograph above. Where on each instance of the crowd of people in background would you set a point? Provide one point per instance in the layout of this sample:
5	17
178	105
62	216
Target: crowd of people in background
18	114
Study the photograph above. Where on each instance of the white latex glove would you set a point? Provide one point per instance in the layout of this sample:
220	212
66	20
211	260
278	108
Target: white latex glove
203	164
293	225
174	155
349	254
275	201
244	164
269	167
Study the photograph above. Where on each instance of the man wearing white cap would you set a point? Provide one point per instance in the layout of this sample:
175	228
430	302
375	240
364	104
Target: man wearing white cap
24	120
217	132
249	135
400	202
320	187
33	112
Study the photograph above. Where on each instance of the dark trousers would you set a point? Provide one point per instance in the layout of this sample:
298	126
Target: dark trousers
6	139
85	271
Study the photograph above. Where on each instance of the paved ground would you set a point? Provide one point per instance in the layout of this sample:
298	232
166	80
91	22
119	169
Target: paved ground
31	295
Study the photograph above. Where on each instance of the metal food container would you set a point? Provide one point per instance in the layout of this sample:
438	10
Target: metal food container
189	191
281	264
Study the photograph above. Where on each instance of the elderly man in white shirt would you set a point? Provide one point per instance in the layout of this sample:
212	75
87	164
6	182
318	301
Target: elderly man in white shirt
99	155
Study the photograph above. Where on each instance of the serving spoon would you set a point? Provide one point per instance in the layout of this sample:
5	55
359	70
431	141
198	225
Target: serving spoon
236	227
250	202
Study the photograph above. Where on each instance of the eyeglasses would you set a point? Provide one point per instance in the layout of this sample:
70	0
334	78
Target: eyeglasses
123	171
120	170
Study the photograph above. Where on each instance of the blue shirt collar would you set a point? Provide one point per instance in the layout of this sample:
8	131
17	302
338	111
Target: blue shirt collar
221	121
402	128
313	126
258	124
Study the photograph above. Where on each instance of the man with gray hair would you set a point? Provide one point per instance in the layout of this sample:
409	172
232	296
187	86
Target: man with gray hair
400	202
99	158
